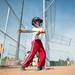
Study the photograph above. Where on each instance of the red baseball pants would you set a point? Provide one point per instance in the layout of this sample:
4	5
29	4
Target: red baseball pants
37	46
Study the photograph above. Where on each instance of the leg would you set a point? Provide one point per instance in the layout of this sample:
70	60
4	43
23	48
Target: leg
42	55
42	58
31	55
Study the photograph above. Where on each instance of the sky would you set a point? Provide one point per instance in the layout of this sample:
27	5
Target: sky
65	15
64	23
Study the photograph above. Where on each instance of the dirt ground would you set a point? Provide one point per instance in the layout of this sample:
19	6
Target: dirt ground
69	70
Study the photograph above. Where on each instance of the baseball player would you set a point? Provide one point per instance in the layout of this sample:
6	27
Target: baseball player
37	46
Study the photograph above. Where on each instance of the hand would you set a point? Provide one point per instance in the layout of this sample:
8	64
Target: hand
38	33
43	32
20	30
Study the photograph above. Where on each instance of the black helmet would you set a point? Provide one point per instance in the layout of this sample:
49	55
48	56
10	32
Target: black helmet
36	19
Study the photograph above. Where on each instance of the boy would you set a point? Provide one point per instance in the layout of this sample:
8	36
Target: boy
37	45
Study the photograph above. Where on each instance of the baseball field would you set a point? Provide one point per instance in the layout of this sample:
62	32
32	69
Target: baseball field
62	70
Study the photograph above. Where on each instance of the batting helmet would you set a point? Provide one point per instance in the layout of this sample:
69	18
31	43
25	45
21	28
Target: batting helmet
36	19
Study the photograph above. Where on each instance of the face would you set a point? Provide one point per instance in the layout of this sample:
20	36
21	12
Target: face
37	24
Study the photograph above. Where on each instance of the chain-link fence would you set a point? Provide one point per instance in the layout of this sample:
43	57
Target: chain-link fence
10	15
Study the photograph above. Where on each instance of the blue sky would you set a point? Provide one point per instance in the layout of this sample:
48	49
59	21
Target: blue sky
65	14
64	25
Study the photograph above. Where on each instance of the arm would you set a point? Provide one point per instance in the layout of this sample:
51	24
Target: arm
26	31
31	31
40	32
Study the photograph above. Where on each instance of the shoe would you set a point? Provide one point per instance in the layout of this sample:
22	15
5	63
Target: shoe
39	68
22	68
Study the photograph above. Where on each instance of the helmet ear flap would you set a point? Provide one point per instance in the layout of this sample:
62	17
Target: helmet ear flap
33	22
